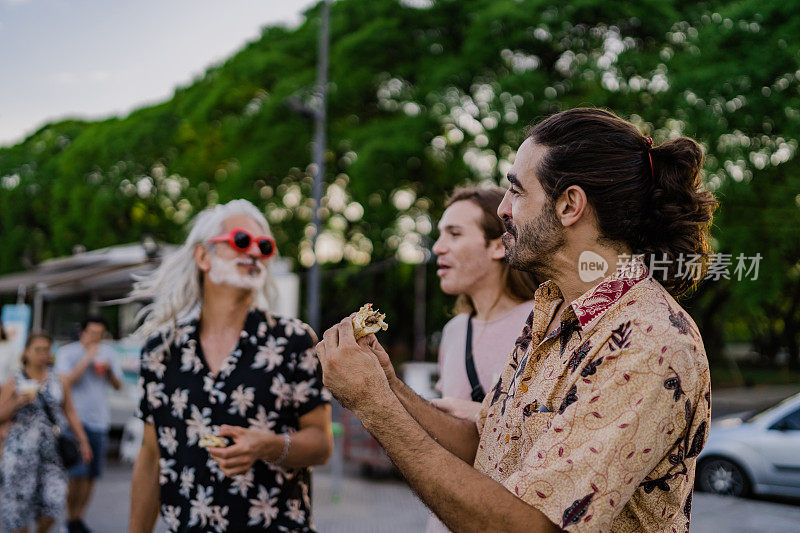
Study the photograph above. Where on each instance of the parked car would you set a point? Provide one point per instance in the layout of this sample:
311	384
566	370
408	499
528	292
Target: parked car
754	454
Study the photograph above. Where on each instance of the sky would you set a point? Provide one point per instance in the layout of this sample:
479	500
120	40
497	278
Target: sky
92	59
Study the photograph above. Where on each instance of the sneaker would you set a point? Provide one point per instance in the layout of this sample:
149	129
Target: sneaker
77	526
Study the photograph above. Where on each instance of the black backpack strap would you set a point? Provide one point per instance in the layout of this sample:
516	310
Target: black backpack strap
49	414
477	393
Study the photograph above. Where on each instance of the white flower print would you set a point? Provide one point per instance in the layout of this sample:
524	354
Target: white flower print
308	361
202	512
155	394
179	400
242	399
263	420
229	365
303	390
325	395
154	361
170	513
187	481
294	513
262	509
293	327
212	387
183	332
242	483
198	424
217	519
213	468
189	360
167	439
281	390
166	472
270	355
140	389
262	329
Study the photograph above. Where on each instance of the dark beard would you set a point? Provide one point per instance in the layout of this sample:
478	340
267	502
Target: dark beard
535	243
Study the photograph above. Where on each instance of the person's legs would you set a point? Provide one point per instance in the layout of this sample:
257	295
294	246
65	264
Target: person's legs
81	486
51	495
87	496
44	524
76	497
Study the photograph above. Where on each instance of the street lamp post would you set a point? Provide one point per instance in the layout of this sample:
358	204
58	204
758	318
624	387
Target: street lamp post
320	117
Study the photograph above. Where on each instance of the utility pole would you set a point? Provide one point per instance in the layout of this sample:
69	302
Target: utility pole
320	118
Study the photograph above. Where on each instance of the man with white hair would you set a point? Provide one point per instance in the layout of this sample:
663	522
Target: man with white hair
217	362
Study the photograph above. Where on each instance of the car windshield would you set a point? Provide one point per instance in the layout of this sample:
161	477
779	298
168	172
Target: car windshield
758	415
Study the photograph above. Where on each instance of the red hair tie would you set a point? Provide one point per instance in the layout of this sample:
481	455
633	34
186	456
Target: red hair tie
649	141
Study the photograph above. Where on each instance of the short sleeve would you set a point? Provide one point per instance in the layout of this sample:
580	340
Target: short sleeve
64	361
147	382
440	360
113	359
614	427
308	392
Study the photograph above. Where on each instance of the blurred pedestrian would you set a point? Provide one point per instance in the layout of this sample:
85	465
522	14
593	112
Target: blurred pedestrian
9	364
604	404
493	302
90	368
9	361
34	480
218	363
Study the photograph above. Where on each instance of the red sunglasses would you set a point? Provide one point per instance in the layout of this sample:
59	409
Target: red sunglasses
241	240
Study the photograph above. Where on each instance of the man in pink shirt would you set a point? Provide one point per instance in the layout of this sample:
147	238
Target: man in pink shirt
493	300
492	306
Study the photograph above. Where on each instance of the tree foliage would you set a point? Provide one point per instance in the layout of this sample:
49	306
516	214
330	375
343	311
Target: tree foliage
422	100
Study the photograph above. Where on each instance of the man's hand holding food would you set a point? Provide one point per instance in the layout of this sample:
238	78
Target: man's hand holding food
356	372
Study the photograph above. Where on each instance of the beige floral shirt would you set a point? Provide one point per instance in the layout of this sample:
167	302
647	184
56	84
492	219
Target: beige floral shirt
599	424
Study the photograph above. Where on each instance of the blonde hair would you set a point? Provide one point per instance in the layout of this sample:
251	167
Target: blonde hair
175	288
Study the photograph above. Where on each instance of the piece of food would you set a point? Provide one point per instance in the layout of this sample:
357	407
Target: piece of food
29	386
209	440
367	321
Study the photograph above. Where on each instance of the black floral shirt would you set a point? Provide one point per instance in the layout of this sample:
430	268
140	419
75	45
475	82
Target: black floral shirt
270	380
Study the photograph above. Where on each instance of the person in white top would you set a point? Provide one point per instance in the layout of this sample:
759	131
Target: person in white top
9	358
492	305
9	364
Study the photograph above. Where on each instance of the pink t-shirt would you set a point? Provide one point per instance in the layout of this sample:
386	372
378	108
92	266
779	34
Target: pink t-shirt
492	343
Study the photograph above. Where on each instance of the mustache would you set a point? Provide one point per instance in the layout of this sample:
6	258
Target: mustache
250	262
509	226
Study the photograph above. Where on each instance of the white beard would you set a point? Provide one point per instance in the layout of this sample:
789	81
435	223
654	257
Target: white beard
226	272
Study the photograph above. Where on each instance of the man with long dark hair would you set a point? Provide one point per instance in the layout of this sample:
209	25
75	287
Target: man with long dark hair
598	418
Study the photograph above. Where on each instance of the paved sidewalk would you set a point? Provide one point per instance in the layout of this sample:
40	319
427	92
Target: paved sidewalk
363	506
367	506
718	514
728	401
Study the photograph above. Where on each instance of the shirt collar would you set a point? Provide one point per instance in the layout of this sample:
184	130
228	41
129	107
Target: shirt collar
588	308
592	305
